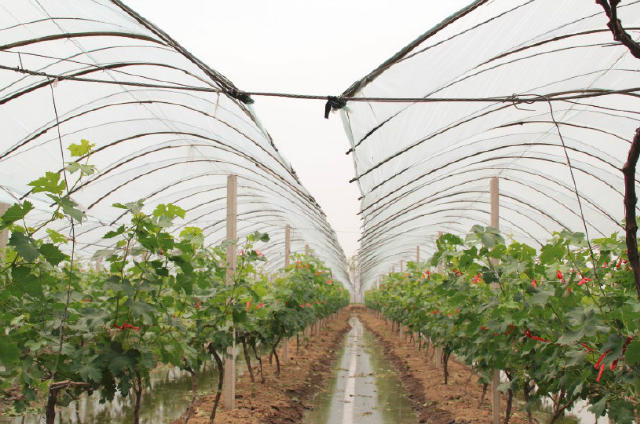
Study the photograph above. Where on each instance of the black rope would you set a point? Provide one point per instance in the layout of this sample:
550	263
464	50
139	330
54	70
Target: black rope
333	103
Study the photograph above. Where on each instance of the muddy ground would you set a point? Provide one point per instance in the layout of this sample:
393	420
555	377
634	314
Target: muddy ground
434	402
285	399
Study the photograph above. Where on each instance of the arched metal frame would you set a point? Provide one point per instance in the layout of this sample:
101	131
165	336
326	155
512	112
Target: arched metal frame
424	167
167	129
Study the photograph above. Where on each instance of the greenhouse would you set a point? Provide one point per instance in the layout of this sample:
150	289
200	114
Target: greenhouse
163	262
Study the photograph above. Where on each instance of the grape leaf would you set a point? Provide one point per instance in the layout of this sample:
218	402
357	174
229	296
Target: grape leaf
15	213
633	353
24	246
53	255
9	352
81	149
50	183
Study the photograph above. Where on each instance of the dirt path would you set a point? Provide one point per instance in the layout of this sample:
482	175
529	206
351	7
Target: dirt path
435	402
363	389
285	399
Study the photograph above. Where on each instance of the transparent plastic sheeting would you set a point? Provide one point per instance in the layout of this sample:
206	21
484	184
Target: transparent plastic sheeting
166	127
425	167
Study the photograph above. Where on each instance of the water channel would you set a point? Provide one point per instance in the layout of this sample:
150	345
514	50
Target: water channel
167	399
363	389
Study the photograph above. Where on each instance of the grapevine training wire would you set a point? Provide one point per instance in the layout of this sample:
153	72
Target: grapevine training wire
73	238
575	185
522	98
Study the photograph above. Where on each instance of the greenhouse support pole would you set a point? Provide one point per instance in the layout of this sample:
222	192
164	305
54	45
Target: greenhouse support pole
306	249
417	254
495	203
494	190
287	245
287	253
4	234
401	265
229	383
437	351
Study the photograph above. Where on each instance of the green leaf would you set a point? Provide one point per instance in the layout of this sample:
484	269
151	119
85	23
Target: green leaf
50	183
16	212
621	411
168	211
74	167
24	246
143	310
87	169
53	255
541	296
599	407
25	282
90	371
632	356
9	352
119	363
81	149
571	337
55	236
103	253
112	234
576	357
69	207
551	253
133	207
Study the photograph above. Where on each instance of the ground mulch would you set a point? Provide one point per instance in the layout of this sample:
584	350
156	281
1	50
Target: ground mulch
285	399
434	402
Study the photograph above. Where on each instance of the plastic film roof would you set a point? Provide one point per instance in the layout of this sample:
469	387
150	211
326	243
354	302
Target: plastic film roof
167	128
425	167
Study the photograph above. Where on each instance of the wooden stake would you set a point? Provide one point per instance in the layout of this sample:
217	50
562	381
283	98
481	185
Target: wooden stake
495	203
401	265
418	254
229	384
494	190
287	253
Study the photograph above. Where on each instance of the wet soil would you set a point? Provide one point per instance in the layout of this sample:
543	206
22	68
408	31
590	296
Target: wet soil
286	399
434	402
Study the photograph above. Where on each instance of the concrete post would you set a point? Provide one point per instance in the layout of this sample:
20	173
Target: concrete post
287	253
229	383
494	191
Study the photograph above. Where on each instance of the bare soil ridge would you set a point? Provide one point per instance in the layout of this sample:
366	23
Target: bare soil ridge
286	399
433	401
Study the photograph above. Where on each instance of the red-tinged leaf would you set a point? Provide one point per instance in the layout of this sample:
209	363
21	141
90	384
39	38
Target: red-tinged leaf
600	373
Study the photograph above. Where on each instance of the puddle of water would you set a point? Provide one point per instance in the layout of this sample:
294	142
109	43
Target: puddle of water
363	388
167	399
